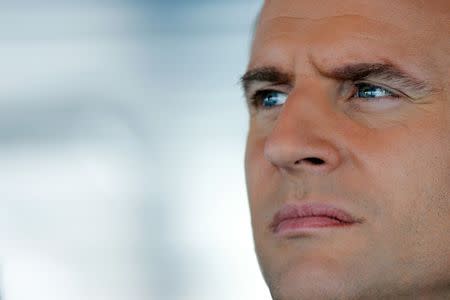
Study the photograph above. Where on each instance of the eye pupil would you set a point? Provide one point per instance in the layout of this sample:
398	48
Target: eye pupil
270	101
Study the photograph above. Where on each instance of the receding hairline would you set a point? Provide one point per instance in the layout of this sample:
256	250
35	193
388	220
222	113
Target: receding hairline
438	11
255	23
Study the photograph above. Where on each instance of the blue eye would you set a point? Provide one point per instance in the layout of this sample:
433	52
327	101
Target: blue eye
268	99
366	90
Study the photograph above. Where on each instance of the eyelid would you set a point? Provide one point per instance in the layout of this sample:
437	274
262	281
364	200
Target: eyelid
394	91
254	99
266	91
267	88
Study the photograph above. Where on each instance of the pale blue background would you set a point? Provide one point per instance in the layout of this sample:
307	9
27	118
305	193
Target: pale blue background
122	133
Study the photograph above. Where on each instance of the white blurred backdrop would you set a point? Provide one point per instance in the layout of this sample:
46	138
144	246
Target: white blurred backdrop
122	135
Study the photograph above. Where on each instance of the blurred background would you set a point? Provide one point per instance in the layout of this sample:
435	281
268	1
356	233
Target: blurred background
122	135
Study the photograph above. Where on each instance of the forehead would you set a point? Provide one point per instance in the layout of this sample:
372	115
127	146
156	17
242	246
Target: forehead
404	13
355	30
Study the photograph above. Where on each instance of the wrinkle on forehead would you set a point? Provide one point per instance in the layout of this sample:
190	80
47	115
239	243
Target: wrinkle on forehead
302	31
357	23
422	15
327	29
321	19
419	33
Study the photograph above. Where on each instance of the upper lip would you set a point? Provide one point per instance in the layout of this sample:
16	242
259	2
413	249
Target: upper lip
294	211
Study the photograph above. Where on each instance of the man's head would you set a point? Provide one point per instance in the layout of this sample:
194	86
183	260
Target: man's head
348	152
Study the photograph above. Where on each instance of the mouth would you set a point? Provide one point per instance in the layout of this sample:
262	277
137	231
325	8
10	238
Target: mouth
294	219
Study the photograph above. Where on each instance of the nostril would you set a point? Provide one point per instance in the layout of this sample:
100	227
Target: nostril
311	160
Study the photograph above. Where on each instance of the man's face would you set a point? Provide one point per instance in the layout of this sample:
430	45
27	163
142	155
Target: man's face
348	151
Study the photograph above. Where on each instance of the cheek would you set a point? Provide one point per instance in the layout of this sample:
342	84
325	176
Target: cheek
262	185
420	164
257	168
431	201
426	211
407	159
410	181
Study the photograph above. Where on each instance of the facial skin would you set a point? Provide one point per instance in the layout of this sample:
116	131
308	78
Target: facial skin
383	159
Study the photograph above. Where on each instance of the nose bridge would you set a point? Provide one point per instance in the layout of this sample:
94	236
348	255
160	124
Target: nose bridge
308	112
308	102
302	137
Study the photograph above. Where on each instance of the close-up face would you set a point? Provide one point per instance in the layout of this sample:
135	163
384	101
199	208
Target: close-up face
348	150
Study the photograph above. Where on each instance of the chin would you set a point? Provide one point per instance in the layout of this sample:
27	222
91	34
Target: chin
309	281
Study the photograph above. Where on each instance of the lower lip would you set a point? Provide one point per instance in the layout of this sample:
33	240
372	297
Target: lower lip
299	225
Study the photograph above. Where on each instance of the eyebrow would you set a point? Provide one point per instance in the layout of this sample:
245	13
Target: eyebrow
265	74
384	72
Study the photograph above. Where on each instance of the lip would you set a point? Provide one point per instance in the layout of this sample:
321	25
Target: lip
294	219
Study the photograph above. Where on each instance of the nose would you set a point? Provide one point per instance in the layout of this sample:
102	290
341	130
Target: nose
304	136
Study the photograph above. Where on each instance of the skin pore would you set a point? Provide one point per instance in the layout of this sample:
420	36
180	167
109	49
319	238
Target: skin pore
349	106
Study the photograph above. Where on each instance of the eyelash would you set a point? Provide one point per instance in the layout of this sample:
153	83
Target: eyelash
257	99
390	93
